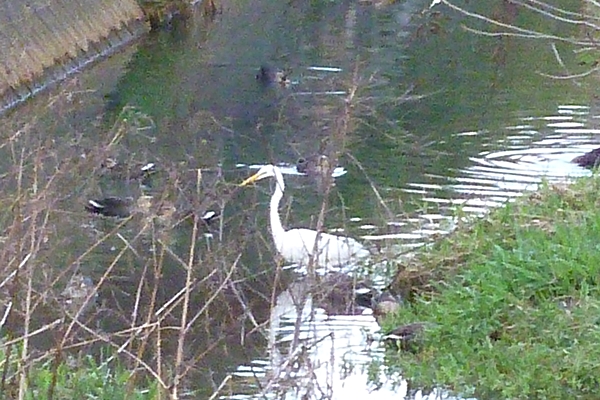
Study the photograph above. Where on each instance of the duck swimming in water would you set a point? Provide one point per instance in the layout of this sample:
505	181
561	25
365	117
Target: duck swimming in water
320	169
338	293
588	160
314	165
111	207
120	170
163	210
406	337
385	304
268	75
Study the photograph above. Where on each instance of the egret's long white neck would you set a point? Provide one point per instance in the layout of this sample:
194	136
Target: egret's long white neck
276	227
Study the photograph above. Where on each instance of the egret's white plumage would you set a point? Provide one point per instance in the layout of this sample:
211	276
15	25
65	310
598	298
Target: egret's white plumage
297	245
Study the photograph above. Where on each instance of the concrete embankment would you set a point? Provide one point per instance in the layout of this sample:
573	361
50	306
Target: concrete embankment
43	41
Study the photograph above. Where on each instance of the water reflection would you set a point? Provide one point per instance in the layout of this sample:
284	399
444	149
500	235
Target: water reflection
313	354
524	157
336	350
316	354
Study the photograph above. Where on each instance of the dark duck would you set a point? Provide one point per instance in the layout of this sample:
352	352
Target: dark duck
588	160
164	210
269	76
121	170
406	337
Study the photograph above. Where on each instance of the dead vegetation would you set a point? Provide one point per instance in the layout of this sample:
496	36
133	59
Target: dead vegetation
159	290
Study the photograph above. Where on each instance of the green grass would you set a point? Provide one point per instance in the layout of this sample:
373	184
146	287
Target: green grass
88	381
76	379
514	301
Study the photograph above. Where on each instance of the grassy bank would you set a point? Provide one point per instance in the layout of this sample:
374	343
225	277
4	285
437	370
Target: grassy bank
513	301
72	378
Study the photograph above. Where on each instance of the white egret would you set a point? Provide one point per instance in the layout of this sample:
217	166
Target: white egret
298	245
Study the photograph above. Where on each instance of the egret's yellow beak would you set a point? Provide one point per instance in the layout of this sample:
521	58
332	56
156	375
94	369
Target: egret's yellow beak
250	180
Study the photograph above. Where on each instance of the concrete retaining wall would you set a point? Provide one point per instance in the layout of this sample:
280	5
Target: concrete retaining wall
42	41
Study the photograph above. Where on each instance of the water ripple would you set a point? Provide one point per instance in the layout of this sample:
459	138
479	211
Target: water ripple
536	149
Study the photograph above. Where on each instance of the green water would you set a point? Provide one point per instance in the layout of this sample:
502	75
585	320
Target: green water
431	99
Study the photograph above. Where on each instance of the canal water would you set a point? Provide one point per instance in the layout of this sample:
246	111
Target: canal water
426	120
